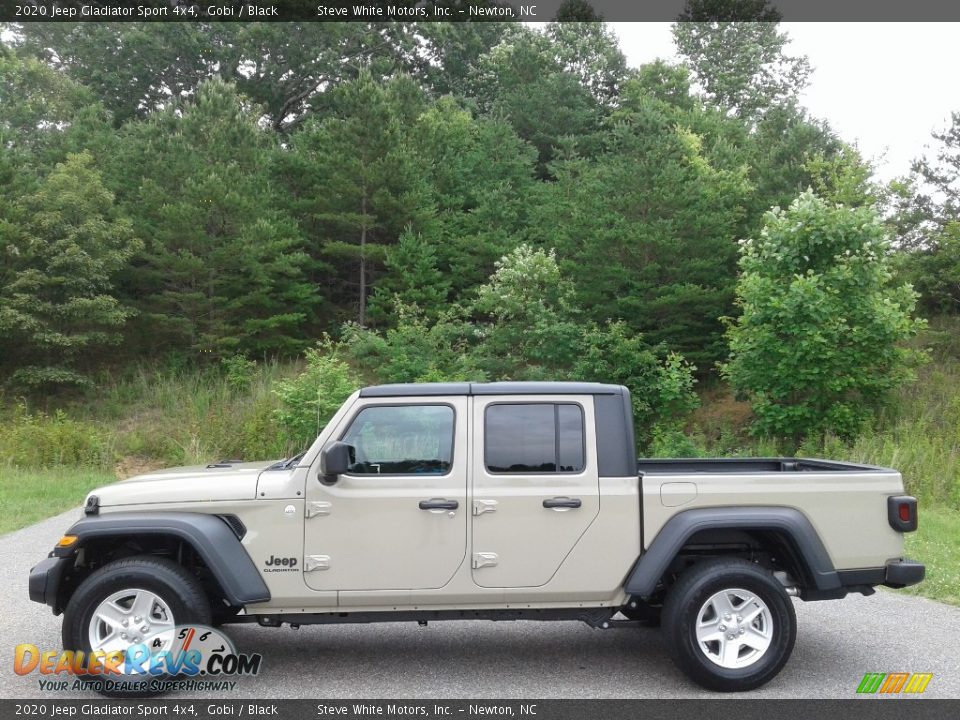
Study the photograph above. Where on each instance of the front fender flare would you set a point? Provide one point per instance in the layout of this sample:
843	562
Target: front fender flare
788	522
208	535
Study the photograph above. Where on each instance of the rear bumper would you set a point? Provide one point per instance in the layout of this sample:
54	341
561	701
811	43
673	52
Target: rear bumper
899	573
45	579
903	573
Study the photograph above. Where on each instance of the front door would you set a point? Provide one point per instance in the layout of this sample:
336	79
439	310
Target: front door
535	486
397	520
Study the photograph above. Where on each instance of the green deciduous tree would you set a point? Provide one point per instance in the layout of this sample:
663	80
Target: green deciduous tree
62	249
819	343
737	54
285	68
531	327
661	383
591	52
417	348
312	398
524	326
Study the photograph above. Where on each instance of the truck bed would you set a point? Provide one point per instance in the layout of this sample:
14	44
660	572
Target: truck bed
686	466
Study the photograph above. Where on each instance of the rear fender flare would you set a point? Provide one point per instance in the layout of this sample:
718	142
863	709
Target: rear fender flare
788	522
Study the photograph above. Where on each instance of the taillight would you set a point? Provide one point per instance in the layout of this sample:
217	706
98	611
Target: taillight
902	513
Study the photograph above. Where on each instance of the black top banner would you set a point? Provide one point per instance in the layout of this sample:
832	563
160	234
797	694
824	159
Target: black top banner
474	10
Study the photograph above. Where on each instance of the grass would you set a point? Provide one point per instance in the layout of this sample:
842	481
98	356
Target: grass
32	495
937	544
153	417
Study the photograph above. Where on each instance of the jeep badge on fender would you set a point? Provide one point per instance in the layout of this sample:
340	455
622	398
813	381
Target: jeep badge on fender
275	564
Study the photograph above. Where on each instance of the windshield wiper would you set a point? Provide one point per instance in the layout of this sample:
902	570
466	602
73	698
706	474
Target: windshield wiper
292	461
287	463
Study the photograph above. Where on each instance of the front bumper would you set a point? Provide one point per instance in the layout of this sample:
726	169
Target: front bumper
45	578
903	573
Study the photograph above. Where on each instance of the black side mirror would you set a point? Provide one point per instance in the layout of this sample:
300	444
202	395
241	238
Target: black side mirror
335	459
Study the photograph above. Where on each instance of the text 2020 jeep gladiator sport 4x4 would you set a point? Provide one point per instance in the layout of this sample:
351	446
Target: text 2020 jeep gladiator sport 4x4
510	500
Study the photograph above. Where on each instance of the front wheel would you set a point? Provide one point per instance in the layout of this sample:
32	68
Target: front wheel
729	625
136	601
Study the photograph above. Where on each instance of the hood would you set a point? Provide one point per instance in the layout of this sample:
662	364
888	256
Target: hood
199	483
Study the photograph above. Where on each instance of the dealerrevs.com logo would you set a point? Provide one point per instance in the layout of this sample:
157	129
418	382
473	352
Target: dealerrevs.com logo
187	657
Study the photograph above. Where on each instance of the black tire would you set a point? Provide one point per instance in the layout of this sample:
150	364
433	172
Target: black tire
180	590
691	593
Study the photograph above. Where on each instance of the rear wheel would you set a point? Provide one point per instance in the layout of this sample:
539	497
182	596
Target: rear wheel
729	624
139	600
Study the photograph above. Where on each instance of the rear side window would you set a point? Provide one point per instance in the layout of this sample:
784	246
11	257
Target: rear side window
534	438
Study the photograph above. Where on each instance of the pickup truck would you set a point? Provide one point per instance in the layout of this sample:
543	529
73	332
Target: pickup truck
504	500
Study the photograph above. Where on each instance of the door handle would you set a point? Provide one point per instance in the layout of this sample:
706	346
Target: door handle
562	503
439	504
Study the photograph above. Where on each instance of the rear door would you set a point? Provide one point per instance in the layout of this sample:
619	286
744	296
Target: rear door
535	485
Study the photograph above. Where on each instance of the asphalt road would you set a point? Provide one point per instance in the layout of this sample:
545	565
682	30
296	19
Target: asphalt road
838	642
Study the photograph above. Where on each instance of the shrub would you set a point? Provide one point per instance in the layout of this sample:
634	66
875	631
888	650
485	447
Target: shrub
39	440
238	372
661	389
312	398
819	344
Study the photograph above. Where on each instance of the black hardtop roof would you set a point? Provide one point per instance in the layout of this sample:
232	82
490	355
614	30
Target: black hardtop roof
492	388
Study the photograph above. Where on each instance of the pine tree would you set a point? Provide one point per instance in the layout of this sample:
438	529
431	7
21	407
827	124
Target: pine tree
63	248
411	278
480	179
656	224
355	184
224	268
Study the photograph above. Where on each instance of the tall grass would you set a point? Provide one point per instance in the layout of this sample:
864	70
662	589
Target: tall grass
154	417
918	433
188	417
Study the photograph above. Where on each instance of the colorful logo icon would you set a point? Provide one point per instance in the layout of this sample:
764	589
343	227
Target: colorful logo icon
894	683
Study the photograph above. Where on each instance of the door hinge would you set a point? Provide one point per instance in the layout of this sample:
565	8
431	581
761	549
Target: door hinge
484	559
316	562
317	507
484	506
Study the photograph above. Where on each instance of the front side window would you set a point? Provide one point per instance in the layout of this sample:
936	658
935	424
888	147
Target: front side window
401	440
534	438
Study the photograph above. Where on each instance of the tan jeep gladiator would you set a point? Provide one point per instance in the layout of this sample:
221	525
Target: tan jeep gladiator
510	500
